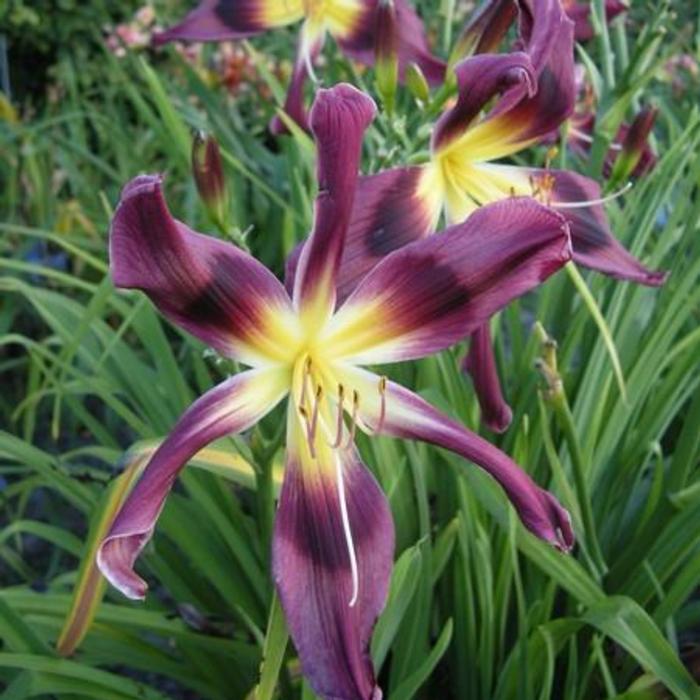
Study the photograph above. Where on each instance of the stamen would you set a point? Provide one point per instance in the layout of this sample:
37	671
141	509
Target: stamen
348	531
339	424
592	202
306	373
353	417
382	409
310	67
314	415
309	437
582	136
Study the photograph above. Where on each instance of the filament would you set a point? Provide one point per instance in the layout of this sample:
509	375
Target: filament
353	418
347	531
382	408
314	415
339	424
581	136
591	202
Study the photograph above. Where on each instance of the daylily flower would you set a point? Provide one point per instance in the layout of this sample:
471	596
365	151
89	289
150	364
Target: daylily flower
631	140
333	536
534	93
352	23
580	13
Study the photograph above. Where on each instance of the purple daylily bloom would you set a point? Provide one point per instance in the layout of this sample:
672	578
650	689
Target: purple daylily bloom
333	538
352	23
631	143
534	92
580	13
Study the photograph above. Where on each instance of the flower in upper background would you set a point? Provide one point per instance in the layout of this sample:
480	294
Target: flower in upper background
333	538
534	93
134	34
629	154
580	13
352	23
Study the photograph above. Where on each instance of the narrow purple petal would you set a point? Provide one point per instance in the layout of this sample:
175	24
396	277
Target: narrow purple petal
339	117
313	572
231	407
479	79
388	213
430	294
412	44
480	363
593	242
219	20
407	415
210	288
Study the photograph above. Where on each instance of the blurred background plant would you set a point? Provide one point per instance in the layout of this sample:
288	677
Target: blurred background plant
92	379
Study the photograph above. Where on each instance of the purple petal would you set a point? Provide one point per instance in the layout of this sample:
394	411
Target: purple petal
413	47
339	117
210	288
231	407
430	294
635	157
481	365
547	38
388	213
313	572
593	242
407	415
480	78
219	20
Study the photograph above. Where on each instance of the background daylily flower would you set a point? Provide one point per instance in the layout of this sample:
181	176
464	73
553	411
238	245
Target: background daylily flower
534	93
333	538
352	23
580	13
632	139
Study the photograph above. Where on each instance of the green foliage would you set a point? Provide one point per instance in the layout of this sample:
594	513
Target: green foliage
478	608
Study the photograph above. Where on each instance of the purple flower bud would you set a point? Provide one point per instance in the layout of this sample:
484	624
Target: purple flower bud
209	176
386	48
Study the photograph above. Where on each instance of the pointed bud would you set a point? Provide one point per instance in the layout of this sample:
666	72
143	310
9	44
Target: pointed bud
209	177
416	83
636	156
386	49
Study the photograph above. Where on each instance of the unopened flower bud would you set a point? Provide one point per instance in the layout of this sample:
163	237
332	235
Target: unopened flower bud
209	177
416	82
386	49
636	156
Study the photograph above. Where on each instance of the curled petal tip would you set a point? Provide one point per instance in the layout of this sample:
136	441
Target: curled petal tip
341	95
560	531
115	560
141	184
500	422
